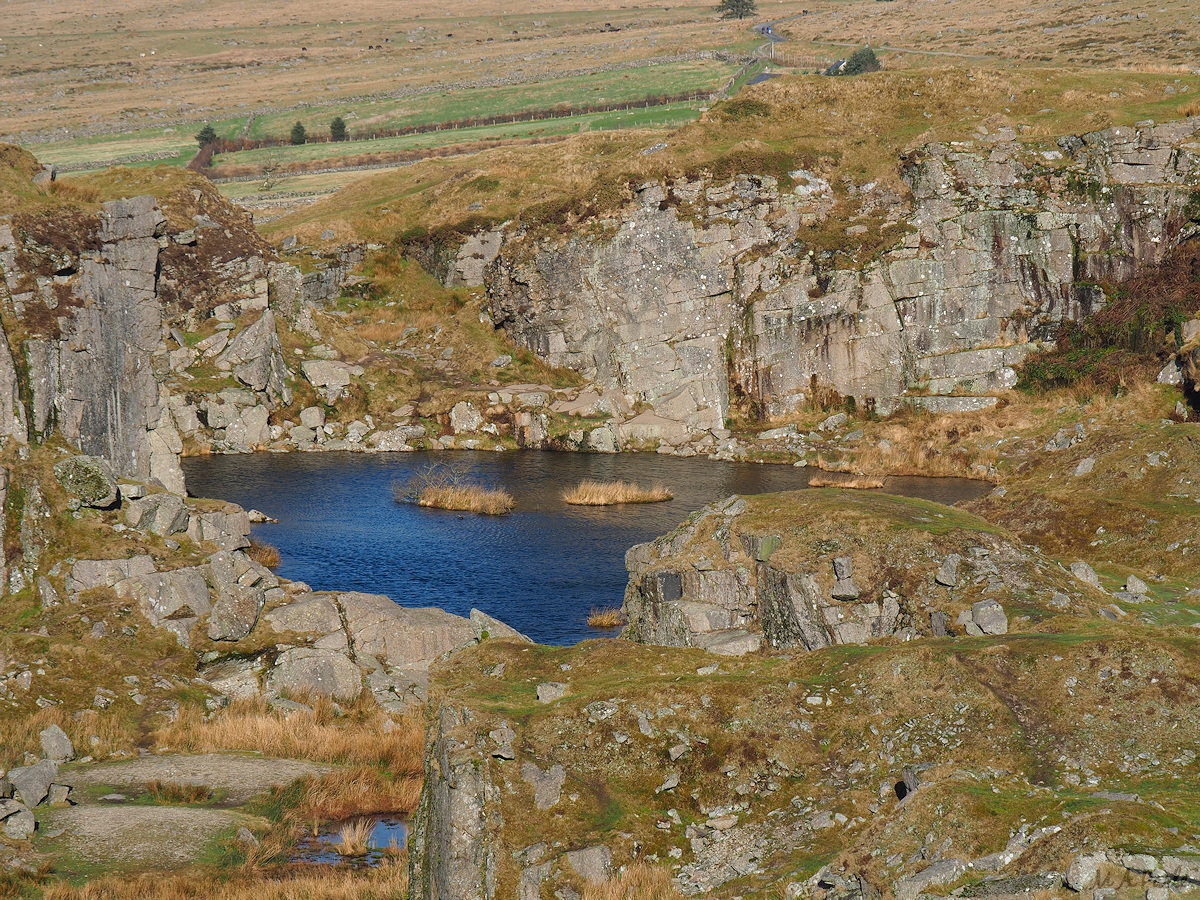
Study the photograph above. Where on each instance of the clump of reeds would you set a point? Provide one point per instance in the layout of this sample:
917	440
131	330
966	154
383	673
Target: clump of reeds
357	739
845	480
386	881
606	618
263	554
354	837
468	498
609	493
448	485
178	792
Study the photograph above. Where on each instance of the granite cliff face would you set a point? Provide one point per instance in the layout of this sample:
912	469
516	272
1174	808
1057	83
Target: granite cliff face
92	320
698	296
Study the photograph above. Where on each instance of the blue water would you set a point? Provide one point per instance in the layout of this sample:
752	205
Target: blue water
541	568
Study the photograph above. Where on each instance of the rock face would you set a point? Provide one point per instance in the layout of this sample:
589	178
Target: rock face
699	286
452	854
813	568
101	306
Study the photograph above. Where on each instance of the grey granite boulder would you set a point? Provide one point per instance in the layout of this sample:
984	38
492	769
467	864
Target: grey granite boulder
16	820
89	479
56	745
327	672
161	514
31	784
591	863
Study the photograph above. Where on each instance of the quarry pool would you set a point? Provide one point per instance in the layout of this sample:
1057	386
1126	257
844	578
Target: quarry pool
541	569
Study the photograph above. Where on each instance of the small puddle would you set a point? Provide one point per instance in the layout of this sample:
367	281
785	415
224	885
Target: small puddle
376	838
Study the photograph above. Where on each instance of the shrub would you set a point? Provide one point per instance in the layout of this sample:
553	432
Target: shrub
860	61
1128	338
206	136
448	485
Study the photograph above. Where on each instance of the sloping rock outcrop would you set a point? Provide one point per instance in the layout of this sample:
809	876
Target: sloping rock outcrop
851	773
814	568
700	296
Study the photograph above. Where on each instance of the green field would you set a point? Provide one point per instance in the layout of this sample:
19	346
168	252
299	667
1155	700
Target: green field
612	87
667	116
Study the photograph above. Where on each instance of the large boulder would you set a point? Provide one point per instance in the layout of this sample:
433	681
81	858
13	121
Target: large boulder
174	600
312	670
256	358
16	820
239	594
400	636
161	514
89	479
330	377
56	745
31	784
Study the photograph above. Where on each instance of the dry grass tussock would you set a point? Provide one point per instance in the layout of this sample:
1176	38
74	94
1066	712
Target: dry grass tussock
636	882
264	554
178	792
468	498
1190	109
608	493
354	837
361	791
606	618
845	480
383	882
355	739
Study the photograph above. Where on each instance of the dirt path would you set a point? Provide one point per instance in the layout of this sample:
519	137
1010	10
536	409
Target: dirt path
135	837
131	834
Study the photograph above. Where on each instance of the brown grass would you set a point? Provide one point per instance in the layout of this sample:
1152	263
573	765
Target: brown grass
178	792
845	480
361	791
264	554
356	739
112	733
606	618
1190	109
383	882
467	497
637	882
609	493
354	837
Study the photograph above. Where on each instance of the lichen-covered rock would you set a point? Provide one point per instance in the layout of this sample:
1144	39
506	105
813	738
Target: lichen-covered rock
256	358
327	672
31	784
452	849
695	286
175	600
89	479
56	745
809	569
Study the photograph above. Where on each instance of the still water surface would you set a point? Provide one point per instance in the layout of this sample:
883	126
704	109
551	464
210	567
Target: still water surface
540	569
